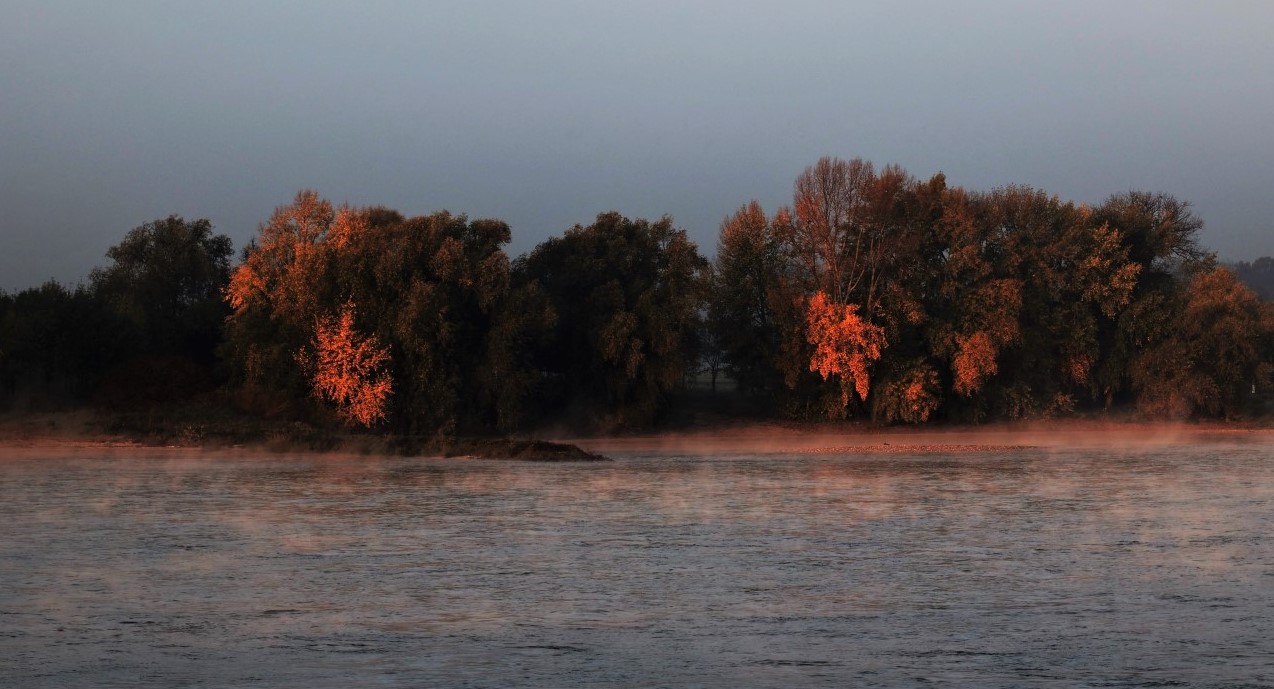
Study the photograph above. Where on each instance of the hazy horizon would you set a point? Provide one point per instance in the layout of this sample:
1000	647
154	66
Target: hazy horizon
544	114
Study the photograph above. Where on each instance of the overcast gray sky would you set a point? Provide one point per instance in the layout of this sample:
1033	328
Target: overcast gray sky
544	113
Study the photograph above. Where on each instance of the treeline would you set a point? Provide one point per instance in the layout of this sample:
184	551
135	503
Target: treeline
1258	275
877	294
145	330
874	295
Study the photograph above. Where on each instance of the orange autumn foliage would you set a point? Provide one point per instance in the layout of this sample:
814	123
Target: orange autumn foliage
844	343
909	396
347	369
280	268
287	265
1077	366
919	399
974	362
1107	276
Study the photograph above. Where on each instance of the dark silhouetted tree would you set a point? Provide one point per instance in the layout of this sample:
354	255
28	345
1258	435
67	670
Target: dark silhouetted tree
166	280
1217	356
742	317
54	344
436	290
627	295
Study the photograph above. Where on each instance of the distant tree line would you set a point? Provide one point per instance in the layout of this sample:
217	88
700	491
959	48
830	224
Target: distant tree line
874	295
144	330
1257	275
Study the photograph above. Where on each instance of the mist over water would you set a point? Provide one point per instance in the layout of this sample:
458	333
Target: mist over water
1125	567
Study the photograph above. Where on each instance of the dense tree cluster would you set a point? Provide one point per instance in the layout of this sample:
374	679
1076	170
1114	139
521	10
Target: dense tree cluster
626	295
880	295
874	295
143	331
416	313
424	323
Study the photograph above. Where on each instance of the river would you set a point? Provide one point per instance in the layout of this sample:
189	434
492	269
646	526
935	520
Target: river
1131	566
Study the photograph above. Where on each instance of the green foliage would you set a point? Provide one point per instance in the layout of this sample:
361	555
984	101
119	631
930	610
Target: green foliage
742	318
924	300
433	290
144	331
1005	304
1217	356
436	290
627	295
165	282
54	343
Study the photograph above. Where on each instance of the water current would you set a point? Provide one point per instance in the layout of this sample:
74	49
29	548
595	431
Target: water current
1086	567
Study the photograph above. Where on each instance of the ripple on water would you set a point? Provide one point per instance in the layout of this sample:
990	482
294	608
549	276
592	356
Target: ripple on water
924	566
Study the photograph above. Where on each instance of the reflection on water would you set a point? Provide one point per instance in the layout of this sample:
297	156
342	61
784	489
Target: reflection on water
1151	567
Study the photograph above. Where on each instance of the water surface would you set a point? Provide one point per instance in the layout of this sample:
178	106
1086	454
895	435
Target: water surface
1134	567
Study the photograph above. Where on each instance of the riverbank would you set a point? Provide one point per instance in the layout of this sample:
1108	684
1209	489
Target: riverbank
865	438
85	431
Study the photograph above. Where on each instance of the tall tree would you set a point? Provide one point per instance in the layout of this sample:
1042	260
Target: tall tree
627	295
351	304
436	290
284	285
835	237
1217	357
166	280
742	310
1158	233
843	238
